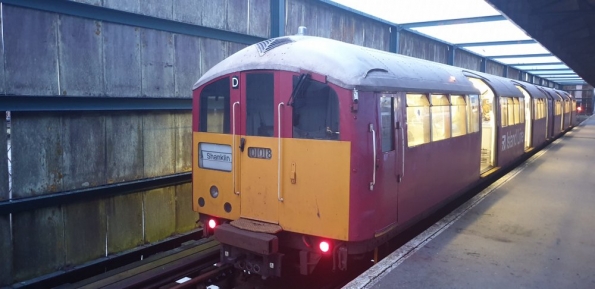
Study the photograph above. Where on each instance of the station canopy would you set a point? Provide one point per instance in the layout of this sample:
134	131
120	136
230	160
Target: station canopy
475	26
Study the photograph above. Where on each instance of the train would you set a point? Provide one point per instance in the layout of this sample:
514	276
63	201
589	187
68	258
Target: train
306	148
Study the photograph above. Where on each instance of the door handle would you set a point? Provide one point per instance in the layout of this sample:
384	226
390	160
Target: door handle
242	144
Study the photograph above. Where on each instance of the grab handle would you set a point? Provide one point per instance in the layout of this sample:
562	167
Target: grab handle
233	145
402	152
279	153
374	150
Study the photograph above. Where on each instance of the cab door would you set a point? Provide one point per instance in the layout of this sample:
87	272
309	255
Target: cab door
257	146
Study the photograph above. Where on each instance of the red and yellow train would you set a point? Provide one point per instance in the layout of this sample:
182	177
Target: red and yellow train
305	147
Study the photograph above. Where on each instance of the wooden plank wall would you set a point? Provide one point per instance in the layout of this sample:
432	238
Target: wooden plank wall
331	22
49	54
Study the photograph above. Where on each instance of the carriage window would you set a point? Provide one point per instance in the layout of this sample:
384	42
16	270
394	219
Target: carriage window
315	111
473	113
522	109
516	110
440	117
504	111
387	123
558	110
510	111
260	109
214	107
458	115
418	119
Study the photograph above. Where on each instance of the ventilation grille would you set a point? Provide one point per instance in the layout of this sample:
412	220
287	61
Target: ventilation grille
270	44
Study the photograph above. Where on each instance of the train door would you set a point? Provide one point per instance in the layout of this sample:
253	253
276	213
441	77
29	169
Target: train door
488	125
389	149
258	152
528	117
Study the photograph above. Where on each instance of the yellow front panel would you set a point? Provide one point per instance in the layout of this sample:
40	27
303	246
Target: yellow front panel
259	181
203	179
318	202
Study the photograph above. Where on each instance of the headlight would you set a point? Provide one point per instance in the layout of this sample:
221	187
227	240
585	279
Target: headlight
214	191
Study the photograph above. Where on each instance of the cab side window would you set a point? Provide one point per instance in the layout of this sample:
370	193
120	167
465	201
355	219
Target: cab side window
214	107
315	111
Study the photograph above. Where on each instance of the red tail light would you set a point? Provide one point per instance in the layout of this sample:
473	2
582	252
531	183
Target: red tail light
212	224
324	246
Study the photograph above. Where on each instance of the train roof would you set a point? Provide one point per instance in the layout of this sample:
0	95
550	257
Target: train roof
346	65
502	86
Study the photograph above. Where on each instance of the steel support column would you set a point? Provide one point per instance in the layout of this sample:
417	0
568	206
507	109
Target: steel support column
395	37
452	50
277	18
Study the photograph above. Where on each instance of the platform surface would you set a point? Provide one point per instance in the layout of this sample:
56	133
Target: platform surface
534	228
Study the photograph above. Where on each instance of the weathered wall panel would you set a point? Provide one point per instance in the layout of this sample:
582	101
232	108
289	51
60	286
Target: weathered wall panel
513	73
187	68
186	218
212	52
495	68
36	154
160	215
123	147
157	8
259	18
31	65
183	126
83	141
234	47
5	240
237	15
124	222
420	47
38	242
81	57
125	5
188	11
121	49
84	231
157	58
159	144
3	158
467	60
332	22
214	14
5	251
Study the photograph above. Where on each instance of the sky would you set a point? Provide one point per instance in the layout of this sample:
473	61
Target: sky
411	11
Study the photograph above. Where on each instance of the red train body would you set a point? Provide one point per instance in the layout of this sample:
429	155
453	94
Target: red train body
302	140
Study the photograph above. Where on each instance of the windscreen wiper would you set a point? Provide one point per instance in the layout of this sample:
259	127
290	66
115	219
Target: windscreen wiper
298	88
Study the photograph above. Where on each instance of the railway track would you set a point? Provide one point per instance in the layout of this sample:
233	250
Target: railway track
193	262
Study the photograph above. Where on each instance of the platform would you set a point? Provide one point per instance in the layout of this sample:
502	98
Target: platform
533	228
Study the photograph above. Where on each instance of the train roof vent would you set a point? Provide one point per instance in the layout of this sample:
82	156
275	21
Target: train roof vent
268	45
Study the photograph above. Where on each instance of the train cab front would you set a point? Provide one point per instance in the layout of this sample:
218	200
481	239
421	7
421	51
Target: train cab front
263	143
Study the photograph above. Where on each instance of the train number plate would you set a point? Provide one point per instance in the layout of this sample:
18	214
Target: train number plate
260	153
